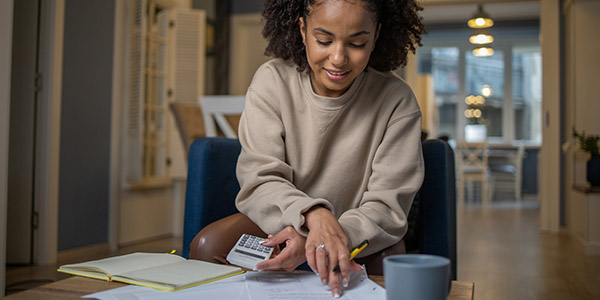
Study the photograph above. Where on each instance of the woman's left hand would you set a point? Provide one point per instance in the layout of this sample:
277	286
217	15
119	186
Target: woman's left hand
326	247
290	257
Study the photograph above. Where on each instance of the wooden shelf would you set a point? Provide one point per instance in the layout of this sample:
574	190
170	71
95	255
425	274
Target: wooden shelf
586	188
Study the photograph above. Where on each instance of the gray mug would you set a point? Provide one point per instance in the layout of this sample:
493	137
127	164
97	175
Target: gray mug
416	277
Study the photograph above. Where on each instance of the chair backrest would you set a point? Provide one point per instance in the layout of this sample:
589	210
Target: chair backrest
472	157
436	200
212	187
518	158
214	108
189	121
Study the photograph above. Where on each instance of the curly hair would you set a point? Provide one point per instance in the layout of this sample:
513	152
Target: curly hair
401	29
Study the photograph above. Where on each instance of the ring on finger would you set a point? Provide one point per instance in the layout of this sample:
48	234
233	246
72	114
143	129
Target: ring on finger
322	246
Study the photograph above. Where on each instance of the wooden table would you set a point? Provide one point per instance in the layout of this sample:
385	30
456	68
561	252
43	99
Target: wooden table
459	290
75	287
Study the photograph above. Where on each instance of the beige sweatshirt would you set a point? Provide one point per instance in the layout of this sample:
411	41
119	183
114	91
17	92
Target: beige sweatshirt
359	155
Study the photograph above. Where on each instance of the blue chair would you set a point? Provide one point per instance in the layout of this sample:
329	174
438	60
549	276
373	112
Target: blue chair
212	187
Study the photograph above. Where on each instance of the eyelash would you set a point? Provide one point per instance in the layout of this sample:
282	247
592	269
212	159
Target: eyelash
351	45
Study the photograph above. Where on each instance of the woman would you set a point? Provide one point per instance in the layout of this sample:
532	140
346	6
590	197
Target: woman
331	151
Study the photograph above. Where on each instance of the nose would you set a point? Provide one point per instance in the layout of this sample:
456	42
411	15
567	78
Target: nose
338	57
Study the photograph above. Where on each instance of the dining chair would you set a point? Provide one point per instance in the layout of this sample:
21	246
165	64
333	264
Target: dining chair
508	176
189	121
472	166
212	187
215	108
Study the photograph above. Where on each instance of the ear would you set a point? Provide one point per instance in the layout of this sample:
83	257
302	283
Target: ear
302	26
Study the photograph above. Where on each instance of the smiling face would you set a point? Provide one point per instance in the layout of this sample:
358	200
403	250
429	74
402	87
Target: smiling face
339	36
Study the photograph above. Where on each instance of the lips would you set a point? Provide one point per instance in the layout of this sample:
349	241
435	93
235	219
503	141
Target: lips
336	75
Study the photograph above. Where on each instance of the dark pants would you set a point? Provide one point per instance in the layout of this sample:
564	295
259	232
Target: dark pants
214	241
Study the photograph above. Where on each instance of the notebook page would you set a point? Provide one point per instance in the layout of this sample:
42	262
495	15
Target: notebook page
181	274
128	262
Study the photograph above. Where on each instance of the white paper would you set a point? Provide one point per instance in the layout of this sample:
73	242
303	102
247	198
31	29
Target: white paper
255	286
307	285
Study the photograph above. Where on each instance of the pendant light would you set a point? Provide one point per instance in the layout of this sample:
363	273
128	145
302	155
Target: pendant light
481	36
480	19
483	51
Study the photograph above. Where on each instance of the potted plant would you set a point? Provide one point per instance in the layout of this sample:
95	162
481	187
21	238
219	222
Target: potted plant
589	144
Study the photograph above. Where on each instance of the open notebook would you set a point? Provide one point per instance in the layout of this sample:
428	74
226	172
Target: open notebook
161	271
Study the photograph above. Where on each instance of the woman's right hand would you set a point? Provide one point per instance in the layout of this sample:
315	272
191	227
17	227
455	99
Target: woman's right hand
324	229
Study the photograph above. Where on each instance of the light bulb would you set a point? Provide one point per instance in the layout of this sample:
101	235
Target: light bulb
469	100
486	91
481	39
468	113
483	51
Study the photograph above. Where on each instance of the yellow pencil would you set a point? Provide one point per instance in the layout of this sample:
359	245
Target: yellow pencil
354	253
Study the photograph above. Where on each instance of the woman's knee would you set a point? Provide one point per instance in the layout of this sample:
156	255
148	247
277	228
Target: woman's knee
214	241
210	243
204	245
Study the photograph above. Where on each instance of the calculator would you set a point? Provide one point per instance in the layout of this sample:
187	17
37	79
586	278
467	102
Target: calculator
248	252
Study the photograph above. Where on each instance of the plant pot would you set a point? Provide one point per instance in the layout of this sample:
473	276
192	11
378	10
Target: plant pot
593	170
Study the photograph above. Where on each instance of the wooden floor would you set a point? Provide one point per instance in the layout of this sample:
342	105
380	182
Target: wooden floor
20	278
502	250
499	248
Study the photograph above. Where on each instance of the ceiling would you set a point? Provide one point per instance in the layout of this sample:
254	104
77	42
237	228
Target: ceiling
456	11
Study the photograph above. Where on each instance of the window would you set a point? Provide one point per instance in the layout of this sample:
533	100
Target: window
507	86
527	92
442	63
149	71
485	81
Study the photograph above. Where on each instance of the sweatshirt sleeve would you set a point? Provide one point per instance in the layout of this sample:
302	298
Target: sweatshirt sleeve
267	195
397	175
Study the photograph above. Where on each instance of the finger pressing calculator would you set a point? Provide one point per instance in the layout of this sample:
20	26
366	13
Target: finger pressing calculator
248	252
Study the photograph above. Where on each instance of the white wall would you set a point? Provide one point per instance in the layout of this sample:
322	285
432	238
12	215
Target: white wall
246	51
6	20
549	159
582	63
145	214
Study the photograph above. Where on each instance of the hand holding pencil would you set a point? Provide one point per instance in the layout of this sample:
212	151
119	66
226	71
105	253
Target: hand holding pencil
326	247
354	253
